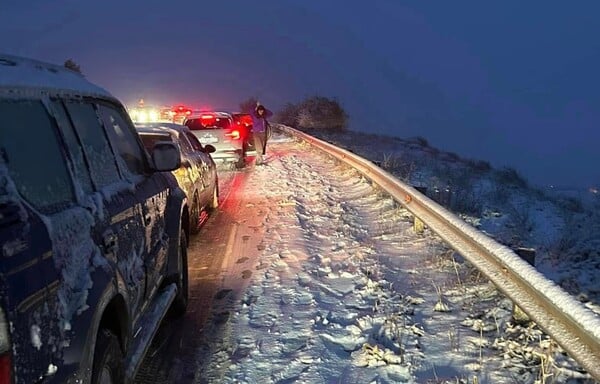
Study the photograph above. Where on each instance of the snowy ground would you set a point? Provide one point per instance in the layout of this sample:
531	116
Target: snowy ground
345	291
562	227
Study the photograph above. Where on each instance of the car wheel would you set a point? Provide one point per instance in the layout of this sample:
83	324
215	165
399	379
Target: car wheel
180	303
108	360
195	216
241	163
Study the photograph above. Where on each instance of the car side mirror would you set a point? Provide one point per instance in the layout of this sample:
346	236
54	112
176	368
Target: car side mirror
166	156
209	148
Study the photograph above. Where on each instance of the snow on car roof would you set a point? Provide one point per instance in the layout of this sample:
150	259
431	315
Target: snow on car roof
197	114
165	131
172	128
18	73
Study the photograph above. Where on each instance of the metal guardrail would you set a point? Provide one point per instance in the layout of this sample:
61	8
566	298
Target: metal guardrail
574	327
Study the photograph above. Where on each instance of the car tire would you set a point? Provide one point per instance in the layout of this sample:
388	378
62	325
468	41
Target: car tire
108	360
241	163
180	302
195	216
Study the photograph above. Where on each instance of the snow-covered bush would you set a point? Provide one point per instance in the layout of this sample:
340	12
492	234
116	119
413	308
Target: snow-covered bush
314	113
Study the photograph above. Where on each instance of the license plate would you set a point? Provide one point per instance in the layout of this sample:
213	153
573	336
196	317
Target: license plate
209	140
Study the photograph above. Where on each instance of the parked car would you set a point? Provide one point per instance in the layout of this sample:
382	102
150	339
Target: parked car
219	130
93	231
197	175
244	122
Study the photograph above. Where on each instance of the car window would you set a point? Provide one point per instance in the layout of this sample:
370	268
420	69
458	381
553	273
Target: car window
185	145
200	124
149	139
123	138
243	118
194	142
31	150
80	169
95	144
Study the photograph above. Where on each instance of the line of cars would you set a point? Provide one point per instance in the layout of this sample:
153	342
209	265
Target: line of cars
230	133
95	217
197	175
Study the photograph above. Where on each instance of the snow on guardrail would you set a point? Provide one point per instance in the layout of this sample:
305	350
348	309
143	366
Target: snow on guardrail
573	326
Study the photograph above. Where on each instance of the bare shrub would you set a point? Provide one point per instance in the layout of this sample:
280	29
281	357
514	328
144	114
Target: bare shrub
72	65
451	156
479	165
249	104
288	115
510	176
419	140
468	202
521	221
314	113
571	204
500	194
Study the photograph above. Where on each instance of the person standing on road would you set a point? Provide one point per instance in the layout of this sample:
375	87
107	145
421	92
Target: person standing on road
260	129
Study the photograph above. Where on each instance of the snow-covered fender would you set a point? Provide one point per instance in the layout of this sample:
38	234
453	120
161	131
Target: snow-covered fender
176	219
111	311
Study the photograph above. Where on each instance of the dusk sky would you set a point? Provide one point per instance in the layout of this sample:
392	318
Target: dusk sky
512	82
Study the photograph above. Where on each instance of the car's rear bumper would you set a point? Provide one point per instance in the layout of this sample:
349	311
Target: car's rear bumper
227	156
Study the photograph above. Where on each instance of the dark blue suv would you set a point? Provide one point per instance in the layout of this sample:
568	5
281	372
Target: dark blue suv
93	231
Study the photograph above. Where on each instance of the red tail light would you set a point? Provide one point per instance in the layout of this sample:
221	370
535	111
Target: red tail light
181	110
247	120
5	369
208	120
5	356
235	134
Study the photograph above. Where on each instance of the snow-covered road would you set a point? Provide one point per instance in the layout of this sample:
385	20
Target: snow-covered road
309	274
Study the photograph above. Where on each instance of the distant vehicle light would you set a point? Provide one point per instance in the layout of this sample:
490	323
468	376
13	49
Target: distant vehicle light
182	109
144	115
153	115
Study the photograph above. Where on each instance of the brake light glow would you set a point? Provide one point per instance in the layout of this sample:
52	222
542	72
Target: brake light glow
182	110
5	354
235	134
208	120
5	368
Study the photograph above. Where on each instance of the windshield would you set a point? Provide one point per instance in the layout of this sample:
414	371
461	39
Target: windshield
208	122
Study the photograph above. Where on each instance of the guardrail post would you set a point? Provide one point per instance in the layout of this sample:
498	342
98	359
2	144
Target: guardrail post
418	225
